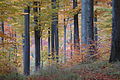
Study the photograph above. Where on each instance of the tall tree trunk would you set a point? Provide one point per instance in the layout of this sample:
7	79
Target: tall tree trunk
76	30
52	41
90	27
71	41
57	43
115	48
49	45
87	24
83	21
42	57
2	25
95	32
27	42
54	32
37	38
64	41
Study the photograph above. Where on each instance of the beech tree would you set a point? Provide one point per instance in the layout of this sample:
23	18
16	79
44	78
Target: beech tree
27	42
65	40
2	26
83	21
48	43
37	36
90	28
76	30
54	32
87	24
115	46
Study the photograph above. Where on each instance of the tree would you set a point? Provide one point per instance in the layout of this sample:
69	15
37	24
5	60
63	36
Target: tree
95	28
90	28
87	24
115	47
48	43
76	30
27	42
65	41
2	26
37	36
83	21
54	32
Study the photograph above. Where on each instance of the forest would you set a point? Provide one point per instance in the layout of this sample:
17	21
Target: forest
59	39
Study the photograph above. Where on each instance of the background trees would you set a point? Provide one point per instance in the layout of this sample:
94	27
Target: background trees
49	21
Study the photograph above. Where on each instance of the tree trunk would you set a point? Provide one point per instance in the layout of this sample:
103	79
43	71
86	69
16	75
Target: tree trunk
2	25
76	30
71	40
57	43
42	57
37	38
90	27
27	43
87	25
49	44
64	41
115	47
95	32
84	24
54	33
52	41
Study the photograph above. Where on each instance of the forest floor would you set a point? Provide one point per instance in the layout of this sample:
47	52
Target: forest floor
98	70
91	70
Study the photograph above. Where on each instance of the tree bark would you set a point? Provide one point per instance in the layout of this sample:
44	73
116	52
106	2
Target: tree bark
2	25
76	31
71	41
115	47
27	43
54	33
48	43
90	27
87	25
37	38
65	41
83	21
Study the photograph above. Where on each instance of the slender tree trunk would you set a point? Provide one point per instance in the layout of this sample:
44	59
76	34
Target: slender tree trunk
76	30
71	40
42	57
37	38
95	33
54	33
27	42
2	25
115	47
49	44
57	43
64	41
52	41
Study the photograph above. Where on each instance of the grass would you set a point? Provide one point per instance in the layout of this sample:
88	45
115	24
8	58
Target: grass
90	70
12	76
